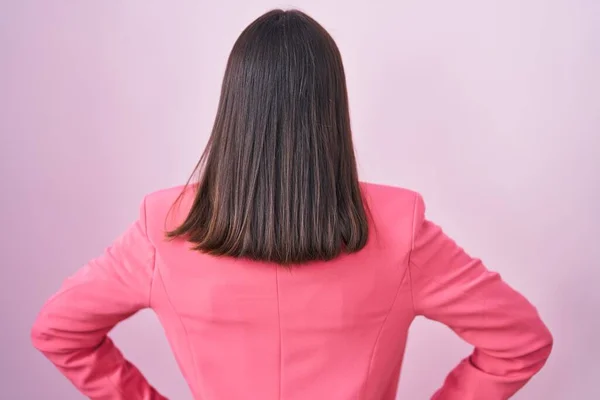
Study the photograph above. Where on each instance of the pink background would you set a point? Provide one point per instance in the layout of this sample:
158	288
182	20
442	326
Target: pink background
490	108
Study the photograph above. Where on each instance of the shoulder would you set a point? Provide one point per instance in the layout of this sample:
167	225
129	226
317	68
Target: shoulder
165	209
396	212
385	197
399	207
395	207
167	196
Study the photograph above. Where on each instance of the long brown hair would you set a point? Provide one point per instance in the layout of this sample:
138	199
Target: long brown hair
278	180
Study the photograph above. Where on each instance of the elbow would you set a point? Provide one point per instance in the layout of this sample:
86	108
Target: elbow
36	335
542	350
39	333
547	343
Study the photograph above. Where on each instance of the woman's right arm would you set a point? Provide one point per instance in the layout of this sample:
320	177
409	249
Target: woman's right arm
511	342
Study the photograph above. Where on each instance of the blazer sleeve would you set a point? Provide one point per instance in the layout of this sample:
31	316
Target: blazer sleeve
72	327
511	342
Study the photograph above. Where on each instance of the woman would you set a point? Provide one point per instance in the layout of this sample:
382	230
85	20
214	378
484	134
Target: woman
278	275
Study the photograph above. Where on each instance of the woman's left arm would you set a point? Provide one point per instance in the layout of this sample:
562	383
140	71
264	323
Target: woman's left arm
72	328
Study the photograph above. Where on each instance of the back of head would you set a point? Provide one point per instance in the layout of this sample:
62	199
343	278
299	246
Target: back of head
278	179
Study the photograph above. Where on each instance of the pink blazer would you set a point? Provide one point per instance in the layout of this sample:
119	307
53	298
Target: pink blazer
326	330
